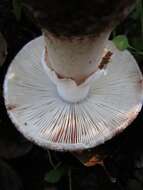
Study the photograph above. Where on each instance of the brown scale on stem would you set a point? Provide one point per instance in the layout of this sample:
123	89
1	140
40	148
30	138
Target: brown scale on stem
105	60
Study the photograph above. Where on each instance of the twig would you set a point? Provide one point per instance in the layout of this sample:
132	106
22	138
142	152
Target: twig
112	179
70	179
50	160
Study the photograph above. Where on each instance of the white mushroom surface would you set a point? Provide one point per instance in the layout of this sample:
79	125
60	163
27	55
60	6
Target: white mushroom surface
41	115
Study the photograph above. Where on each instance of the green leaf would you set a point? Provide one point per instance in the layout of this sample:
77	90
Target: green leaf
17	8
54	176
121	42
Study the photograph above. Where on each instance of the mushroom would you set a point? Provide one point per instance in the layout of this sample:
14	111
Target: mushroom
72	89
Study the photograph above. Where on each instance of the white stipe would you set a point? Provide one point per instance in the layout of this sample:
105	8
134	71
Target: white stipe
38	111
67	89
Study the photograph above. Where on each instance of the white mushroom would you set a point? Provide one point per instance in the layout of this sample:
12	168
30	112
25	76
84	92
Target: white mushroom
58	91
40	104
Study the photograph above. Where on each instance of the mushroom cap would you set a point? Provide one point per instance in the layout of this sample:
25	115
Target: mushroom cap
38	112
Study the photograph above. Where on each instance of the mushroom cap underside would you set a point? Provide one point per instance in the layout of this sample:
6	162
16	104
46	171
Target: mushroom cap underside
38	112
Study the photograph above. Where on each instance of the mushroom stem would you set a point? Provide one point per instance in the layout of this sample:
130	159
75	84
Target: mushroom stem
75	58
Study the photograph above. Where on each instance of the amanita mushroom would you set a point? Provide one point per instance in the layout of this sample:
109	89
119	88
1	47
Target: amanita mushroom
59	90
